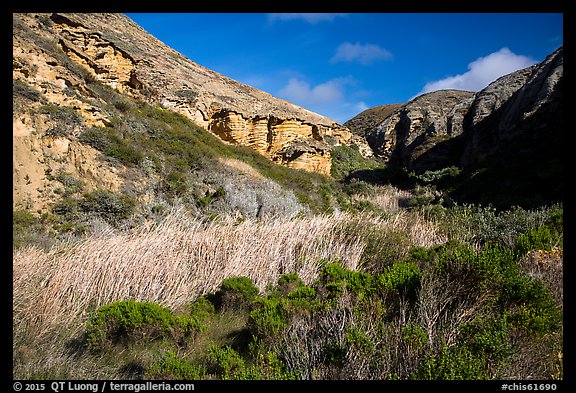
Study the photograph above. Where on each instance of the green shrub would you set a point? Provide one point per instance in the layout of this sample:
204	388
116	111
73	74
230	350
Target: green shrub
402	277
241	285
108	205
28	228
356	338
66	207
23	219
107	140
267	317
334	353
539	238
488	335
72	185
202	309
132	322
452	363
347	159
171	367
288	283
174	184
531	305
414	335
225	361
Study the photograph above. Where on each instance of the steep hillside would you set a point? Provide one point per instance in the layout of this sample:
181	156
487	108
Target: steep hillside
370	118
420	124
506	138
96	100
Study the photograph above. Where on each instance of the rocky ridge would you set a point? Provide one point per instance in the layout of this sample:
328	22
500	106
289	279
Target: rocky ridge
119	53
451	127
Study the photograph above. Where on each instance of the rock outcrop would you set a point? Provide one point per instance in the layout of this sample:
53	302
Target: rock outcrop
517	117
419	125
508	135
114	50
451	127
59	59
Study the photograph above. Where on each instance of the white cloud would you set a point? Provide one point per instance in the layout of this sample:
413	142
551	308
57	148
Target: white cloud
482	71
361	106
364	54
307	17
300	92
328	98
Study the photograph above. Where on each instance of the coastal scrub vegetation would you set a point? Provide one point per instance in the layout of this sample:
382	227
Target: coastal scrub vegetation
229	266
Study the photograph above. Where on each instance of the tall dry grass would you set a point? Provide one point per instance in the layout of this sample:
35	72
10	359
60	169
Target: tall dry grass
387	197
175	261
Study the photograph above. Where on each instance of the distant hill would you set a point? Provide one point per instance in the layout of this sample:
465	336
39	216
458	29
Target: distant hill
507	136
370	118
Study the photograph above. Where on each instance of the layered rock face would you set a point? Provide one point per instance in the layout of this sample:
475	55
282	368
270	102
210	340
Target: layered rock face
517	115
114	50
419	125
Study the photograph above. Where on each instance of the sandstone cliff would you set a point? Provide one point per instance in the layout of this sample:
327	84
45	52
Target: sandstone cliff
450	127
59	62
508	135
117	52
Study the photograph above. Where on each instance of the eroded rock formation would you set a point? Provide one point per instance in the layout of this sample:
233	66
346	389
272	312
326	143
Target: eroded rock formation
57	55
451	127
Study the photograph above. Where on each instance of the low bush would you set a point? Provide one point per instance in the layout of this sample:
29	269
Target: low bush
108	205
236	292
129	322
170	366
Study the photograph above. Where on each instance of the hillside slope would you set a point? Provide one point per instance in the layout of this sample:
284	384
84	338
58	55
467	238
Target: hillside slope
93	96
506	137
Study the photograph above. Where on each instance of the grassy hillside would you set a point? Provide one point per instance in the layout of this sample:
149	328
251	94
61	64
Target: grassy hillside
387	293
212	262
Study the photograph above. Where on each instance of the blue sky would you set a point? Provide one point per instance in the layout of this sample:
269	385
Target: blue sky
340	64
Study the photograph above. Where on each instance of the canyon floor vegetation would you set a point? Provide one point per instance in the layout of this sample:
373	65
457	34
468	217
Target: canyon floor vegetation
224	265
383	292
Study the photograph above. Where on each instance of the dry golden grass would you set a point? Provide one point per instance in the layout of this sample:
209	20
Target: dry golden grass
387	197
175	261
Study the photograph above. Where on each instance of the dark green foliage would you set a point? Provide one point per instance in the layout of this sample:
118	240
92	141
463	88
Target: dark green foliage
441	177
172	367
235	293
225	361
347	159
202	309
23	219
488	336
401	277
109	142
209	197
288	283
240	285
131	322
531	305
453	363
268	317
414	335
110	206
539	238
